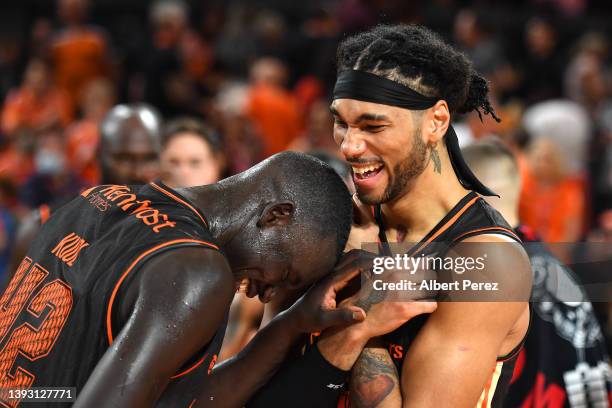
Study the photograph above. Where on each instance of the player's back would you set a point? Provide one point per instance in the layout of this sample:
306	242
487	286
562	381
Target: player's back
59	313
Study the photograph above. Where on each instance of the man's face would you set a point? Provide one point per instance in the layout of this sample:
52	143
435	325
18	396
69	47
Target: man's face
282	258
132	158
384	146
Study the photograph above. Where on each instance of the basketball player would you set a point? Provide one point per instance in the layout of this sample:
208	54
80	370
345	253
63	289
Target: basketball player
398	89
564	362
125	290
130	140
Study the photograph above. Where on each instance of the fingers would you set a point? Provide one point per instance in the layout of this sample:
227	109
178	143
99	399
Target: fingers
342	277
344	316
352	256
426	306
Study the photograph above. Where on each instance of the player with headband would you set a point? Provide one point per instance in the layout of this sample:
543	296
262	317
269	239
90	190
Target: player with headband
398	89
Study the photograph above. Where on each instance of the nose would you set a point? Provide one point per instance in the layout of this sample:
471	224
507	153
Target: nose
352	145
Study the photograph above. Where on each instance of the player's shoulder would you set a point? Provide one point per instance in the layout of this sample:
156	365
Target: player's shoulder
193	268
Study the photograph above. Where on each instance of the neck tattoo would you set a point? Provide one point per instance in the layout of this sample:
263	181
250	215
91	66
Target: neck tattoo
435	158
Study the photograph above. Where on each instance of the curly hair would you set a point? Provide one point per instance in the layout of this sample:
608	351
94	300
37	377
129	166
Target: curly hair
418	58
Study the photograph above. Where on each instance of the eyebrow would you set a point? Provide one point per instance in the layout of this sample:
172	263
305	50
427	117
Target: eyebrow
363	117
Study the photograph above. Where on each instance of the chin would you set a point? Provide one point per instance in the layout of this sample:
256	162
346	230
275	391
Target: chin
370	198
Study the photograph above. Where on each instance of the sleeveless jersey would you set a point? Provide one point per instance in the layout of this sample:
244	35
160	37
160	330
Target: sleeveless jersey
564	362
58	314
471	216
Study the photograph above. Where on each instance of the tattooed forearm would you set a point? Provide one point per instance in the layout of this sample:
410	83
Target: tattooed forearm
375	296
374	378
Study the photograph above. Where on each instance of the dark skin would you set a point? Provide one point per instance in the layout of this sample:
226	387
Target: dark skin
179	299
128	154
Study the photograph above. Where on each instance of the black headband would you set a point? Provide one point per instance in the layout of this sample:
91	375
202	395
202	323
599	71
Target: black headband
367	87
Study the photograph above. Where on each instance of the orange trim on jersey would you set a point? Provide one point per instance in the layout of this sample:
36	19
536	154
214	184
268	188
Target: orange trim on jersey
45	212
192	402
89	190
109	329
190	369
488	229
185	203
485	392
448	224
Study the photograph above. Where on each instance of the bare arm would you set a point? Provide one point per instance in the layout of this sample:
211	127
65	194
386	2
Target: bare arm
339	347
454	355
374	379
181	297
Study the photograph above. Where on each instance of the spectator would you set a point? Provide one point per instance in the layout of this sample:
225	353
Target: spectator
552	202
37	104
52	180
585	77
273	110
477	41
567	124
542	66
319	131
130	144
80	52
175	62
192	154
83	137
8	224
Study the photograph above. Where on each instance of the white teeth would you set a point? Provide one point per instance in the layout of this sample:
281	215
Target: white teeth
244	285
361	170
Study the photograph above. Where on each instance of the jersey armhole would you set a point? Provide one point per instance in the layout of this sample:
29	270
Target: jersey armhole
136	263
495	230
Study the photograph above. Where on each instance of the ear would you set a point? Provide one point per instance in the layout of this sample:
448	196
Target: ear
276	214
438	121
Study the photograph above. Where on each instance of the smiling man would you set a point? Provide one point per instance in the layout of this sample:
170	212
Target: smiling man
397	91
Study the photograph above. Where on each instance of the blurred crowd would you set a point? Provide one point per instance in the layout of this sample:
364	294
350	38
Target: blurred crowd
237	81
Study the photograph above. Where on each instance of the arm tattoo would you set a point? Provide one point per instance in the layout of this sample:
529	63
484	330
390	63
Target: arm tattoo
375	296
373	378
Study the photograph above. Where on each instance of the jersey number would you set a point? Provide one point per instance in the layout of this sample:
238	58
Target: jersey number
46	309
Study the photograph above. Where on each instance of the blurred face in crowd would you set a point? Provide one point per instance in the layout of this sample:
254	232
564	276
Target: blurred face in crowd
383	144
545	160
541	38
50	158
169	21
131	157
320	126
37	77
98	97
465	28
268	71
188	160
72	11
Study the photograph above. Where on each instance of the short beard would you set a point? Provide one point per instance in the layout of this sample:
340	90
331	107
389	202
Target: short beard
404	173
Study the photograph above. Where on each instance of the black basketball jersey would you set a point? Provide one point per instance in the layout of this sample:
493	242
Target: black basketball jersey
58	314
564	362
471	216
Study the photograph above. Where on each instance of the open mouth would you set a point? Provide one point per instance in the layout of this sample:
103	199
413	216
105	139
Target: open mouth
366	172
243	285
252	289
